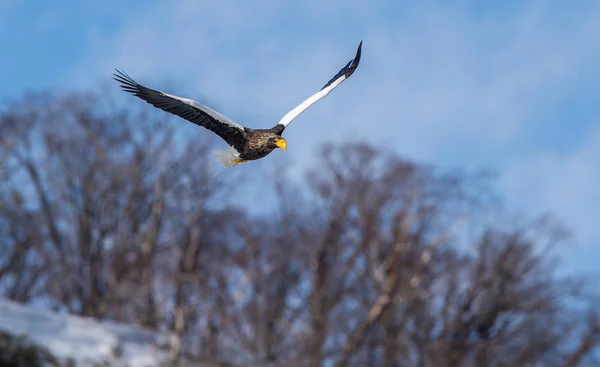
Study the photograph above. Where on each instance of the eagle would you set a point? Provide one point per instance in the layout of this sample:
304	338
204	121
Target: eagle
246	144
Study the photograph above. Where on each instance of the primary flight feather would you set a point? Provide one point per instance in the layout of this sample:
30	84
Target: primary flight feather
246	144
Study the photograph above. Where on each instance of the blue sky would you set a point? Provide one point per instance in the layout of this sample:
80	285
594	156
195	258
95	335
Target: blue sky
513	86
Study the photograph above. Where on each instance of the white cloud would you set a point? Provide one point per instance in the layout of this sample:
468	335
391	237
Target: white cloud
448	80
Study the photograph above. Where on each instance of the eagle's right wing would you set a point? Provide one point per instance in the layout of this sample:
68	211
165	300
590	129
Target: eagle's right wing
342	75
231	132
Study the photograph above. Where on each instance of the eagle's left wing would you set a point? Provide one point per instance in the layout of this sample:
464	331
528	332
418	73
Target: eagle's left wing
232	132
342	75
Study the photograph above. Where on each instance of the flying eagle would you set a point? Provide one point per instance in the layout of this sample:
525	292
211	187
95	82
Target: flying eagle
246	144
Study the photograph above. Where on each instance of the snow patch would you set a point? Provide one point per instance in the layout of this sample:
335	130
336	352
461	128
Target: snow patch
85	340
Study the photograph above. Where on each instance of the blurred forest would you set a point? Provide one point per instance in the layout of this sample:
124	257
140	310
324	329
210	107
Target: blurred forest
369	259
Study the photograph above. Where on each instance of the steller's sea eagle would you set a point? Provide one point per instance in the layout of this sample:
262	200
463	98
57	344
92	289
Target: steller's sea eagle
246	144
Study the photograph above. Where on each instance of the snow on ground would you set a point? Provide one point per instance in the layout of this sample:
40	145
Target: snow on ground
82	339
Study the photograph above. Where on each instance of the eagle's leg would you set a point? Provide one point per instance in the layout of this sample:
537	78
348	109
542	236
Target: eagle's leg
238	161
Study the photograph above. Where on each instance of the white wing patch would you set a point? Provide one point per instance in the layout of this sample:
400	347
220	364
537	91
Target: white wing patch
337	79
211	112
290	116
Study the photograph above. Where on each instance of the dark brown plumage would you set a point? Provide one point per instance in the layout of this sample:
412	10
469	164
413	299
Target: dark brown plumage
261	142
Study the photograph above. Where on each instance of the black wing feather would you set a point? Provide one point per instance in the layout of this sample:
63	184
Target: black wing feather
348	69
234	136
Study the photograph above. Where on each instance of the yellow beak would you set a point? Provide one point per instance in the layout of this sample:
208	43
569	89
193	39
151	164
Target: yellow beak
281	143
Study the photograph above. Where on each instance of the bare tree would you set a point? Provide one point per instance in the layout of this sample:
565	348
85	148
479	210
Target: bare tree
368	260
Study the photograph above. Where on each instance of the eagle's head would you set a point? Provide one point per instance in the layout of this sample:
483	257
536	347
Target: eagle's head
277	142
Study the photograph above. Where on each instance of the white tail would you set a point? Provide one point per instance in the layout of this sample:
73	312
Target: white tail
229	157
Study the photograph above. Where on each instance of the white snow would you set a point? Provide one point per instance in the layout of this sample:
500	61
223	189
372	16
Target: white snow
85	340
